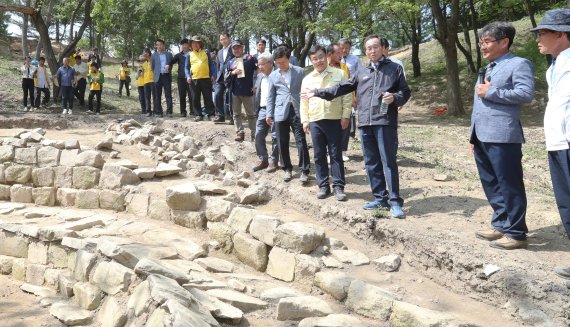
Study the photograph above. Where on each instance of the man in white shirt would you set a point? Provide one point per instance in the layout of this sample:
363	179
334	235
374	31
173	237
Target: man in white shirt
348	59
553	37
28	71
80	82
41	82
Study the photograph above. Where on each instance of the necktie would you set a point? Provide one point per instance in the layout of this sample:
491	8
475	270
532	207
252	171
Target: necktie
28	76
343	59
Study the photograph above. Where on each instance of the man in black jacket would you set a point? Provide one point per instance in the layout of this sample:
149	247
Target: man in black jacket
381	81
183	86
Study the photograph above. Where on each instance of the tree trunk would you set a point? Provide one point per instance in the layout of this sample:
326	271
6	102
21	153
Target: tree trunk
416	32
25	44
530	11
474	24
72	20
86	21
48	23
467	54
57	30
446	34
183	18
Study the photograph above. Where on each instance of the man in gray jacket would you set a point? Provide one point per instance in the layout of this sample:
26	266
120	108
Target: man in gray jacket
497	135
381	81
160	65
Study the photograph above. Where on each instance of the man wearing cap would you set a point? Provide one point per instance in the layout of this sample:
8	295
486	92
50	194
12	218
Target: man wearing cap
159	61
496	135
553	37
183	86
224	56
239	79
199	70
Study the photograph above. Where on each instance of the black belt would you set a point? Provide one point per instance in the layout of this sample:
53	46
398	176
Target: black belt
262	107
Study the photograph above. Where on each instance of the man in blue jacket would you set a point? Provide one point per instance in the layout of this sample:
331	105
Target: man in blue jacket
225	54
497	135
160	65
381	81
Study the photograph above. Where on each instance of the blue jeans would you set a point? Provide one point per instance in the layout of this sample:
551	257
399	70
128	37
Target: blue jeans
327	137
142	99
67	97
164	82
222	100
560	174
380	146
149	92
501	174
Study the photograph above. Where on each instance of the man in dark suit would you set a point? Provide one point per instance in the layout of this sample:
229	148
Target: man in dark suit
265	63
220	98
183	86
497	135
160	61
283	109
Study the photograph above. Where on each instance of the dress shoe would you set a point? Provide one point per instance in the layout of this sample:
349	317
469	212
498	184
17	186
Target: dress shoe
397	212
231	121
563	272
272	167
339	194
304	178
506	243
239	137
198	118
183	114
219	120
288	176
490	235
149	114
261	165
323	192
376	204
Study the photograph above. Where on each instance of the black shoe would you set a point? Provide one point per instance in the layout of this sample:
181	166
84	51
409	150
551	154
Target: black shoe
219	120
339	194
323	192
198	118
304	178
149	114
230	122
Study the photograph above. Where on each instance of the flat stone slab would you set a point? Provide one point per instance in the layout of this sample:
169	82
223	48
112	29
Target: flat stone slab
273	295
215	265
85	223
38	290
349	256
239	300
9	207
294	308
209	188
217	308
145	173
164	169
148	267
334	320
70	314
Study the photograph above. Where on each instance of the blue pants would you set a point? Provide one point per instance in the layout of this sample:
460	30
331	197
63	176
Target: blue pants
142	99
164	82
222	100
67	97
380	146
501	174
560	174
327	135
261	131
149	92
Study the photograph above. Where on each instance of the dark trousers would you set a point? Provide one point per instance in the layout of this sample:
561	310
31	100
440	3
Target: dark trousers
282	130
28	88
327	137
501	174
97	95
261	131
79	91
559	162
148	94
221	100
124	83
348	132
183	92
164	82
142	99
67	97
379	147
202	87
39	92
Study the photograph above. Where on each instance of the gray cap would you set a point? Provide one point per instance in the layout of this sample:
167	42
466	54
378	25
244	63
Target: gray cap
237	42
555	20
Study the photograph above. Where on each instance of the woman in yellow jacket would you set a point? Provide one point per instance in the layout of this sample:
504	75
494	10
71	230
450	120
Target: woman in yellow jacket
124	77
148	78
139	77
95	79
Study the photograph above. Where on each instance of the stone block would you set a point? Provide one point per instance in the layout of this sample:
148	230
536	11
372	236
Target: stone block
51	278
250	251
65	197
112	200
263	228
350	256
299	237
239	300
13	245
18	174
84	262
57	256
38	252
2	174
140	299
334	283
256	193
20	193
65	284
147	267
369	300
112	277
63	176
183	197
35	274
334	320
407	314
48	156
71	315
44	196
115	176
67	157
306	267
26	156
240	218
87	199
111	313
215	265
189	219
218	209
91	158
164	169
85	177
6	153
137	204
43	176
281	264
87	295
273	295
158	209
295	308
222	233
145	173
6	263
388	263
19	269
4	192
72	144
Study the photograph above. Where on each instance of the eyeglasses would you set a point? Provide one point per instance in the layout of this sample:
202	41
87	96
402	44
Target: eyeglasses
487	42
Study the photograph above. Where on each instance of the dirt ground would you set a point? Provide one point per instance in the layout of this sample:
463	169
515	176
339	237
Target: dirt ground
442	260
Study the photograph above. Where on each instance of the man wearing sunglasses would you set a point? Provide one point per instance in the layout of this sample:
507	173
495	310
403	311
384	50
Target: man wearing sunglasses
496	135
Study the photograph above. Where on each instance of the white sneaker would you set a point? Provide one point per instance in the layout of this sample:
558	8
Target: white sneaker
24	108
345	156
89	111
30	108
64	111
69	112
